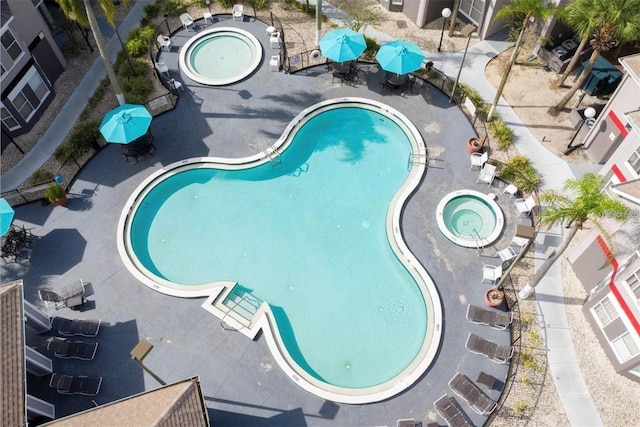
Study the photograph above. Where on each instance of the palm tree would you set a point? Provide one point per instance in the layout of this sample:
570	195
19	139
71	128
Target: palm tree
528	11
586	202
609	23
81	12
577	15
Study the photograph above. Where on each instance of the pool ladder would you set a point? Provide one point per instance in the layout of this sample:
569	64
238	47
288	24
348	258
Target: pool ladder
274	159
417	159
245	306
478	240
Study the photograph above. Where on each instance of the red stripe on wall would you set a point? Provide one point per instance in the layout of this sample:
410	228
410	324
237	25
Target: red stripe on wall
618	173
616	121
614	288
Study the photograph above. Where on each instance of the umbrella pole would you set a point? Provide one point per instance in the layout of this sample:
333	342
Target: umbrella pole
318	21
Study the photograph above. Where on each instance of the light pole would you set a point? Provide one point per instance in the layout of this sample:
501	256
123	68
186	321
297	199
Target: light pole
446	12
588	113
138	354
466	31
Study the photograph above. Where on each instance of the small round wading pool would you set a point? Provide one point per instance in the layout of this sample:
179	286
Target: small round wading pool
469	218
220	56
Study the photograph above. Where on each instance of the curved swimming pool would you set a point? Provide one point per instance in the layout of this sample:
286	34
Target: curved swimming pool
310	228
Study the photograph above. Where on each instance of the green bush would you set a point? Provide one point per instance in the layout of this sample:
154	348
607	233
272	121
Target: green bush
136	89
40	176
475	98
151	10
54	192
372	47
124	68
84	137
138	41
173	7
519	172
519	408
501	132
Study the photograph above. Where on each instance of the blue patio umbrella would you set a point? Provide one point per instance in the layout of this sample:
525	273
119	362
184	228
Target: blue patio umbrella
6	216
400	57
342	45
126	123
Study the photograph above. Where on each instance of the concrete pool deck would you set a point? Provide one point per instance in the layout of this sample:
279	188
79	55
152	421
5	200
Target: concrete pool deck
241	382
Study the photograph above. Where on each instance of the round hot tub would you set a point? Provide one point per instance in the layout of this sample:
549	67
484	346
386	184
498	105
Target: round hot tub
469	218
220	56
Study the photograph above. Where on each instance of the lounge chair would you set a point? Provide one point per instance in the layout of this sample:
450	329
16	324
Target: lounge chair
87	328
506	254
496	353
237	12
72	349
478	159
68	296
448	409
492	318
524	206
466	389
487	174
491	273
66	384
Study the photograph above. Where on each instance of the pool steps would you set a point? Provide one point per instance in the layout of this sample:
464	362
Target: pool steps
242	303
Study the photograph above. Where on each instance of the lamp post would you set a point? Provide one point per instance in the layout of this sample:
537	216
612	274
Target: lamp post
588	113
466	31
446	12
138	354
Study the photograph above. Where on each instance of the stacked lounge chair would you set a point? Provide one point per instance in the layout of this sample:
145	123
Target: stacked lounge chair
73	349
483	316
497	353
87	328
466	389
66	384
449	410
70	296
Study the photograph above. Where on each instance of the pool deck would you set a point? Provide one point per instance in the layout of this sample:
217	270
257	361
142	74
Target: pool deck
241	382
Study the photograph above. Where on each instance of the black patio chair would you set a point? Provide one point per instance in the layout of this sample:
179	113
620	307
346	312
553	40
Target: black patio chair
448	409
466	389
67	384
72	349
87	328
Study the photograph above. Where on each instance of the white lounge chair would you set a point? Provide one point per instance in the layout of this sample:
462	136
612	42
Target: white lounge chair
524	206
478	159
491	273
487	174
238	12
507	254
164	42
187	21
519	242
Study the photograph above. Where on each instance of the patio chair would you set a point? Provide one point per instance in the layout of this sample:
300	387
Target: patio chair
506	254
496	353
478	160
448	409
69	296
466	389
491	273
238	12
87	328
164	42
519	242
495	319
275	40
72	349
67	384
274	63
524	206
187	21
162	68
487	174
510	189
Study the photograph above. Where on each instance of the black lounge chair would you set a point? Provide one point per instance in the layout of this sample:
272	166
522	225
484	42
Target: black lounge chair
466	389
87	328
492	318
497	353
73	349
69	296
449	410
66	384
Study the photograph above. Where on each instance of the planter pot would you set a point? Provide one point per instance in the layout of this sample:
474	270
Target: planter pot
62	201
474	145
493	297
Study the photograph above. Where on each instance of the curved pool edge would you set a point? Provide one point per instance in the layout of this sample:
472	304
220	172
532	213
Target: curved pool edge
264	319
199	78
489	199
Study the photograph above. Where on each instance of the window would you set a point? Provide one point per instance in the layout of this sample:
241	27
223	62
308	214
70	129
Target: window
29	94
605	311
634	283
472	9
634	161
8	120
396	2
625	347
10	44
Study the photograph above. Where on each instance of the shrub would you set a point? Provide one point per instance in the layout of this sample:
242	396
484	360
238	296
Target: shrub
372	47
501	132
519	172
528	360
151	10
54	192
40	176
84	137
519	408
174	7
138	41
475	98
136	89
124	68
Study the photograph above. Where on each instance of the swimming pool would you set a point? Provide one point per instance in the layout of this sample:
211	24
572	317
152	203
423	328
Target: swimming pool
310	228
220	56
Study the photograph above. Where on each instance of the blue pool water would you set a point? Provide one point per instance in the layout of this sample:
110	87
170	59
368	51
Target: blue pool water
469	216
221	56
308	235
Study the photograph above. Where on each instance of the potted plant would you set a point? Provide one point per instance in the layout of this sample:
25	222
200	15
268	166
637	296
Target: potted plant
493	297
474	144
56	194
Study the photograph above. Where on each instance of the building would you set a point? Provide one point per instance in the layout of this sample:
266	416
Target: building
608	265
30	64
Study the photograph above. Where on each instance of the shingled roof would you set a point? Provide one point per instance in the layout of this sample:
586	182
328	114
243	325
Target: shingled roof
12	370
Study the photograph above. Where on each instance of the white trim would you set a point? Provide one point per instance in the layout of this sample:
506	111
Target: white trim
24	81
17	126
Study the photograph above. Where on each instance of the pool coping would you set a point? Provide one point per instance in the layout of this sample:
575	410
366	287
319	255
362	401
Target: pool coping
199	78
263	319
